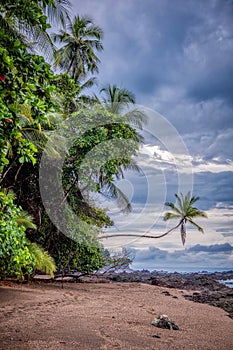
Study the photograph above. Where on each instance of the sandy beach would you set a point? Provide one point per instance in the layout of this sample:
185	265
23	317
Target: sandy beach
107	316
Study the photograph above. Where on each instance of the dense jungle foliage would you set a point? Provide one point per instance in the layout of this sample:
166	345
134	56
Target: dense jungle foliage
35	102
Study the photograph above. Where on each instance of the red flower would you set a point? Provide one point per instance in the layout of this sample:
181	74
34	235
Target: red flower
8	121
2	77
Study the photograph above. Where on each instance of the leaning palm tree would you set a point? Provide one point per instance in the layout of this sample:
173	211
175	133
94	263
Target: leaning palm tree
185	212
81	40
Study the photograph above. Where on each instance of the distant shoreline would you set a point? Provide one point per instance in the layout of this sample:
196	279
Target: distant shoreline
182	270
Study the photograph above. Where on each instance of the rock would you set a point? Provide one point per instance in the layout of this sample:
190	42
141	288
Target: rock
42	277
166	293
164	322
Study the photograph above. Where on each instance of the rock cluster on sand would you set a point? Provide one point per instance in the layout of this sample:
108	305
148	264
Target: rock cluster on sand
164	322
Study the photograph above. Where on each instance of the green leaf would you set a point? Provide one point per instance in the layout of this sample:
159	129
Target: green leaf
22	159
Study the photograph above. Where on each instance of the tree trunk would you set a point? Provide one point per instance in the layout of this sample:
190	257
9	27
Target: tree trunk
140	236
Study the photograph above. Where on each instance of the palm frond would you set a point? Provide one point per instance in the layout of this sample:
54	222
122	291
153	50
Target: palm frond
50	142
200	229
194	212
88	83
41	42
186	201
133	166
113	191
174	208
115	99
170	215
136	118
81	39
180	201
194	199
58	11
26	220
43	261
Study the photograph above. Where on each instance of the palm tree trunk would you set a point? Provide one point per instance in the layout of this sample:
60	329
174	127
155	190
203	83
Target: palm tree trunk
183	232
140	236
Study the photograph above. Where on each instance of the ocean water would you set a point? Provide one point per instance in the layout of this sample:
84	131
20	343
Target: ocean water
180	269
228	283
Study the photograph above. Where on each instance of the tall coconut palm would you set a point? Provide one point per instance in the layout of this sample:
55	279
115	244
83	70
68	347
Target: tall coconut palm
184	212
81	40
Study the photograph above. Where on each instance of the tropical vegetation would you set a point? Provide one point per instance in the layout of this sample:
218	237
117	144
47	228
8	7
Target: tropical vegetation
35	102
80	39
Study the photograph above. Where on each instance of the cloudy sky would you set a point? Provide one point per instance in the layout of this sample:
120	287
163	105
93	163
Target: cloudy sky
176	56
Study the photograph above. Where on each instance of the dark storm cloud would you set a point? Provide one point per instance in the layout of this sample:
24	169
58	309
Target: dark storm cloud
223	230
152	252
150	38
178	43
226	247
215	145
227	234
214	188
217	82
183	45
198	256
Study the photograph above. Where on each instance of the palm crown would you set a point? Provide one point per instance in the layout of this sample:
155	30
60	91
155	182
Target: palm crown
119	100
81	39
185	212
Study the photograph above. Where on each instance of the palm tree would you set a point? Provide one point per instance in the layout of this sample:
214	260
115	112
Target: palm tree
185	212
118	101
81	39
115	99
18	22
